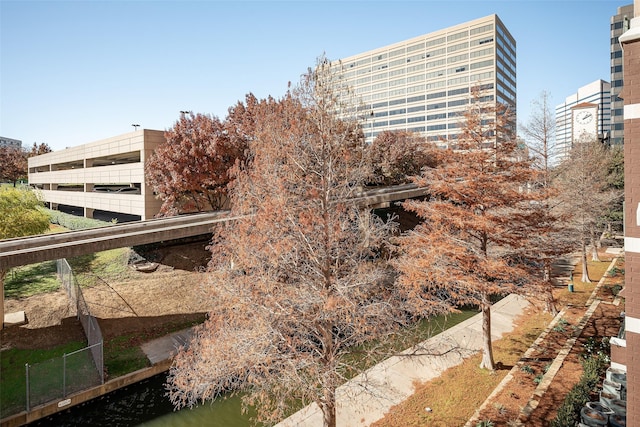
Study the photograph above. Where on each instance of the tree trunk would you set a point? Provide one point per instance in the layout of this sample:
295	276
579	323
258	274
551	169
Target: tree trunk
595	241
546	276
585	269
3	274
329	409
487	349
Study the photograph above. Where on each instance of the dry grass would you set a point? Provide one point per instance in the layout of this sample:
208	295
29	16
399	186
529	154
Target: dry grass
459	391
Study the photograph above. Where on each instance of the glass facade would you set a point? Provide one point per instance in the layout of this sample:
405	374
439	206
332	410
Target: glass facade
619	24
430	77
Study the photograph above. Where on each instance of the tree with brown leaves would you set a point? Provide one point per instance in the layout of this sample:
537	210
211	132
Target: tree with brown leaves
190	172
13	164
466	249
38	149
297	281
398	155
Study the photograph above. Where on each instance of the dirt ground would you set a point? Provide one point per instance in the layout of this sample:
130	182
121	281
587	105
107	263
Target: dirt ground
174	292
605	322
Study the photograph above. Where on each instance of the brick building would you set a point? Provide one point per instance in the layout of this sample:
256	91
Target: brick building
630	42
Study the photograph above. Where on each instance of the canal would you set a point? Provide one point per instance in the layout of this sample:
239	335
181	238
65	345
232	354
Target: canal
146	404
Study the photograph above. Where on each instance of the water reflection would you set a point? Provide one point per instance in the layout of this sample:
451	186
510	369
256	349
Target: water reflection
146	404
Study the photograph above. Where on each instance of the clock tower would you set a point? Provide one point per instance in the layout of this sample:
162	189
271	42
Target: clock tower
584	122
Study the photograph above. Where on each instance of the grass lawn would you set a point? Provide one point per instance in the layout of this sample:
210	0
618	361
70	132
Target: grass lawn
47	376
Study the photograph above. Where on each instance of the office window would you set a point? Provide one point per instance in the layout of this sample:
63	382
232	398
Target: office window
458	102
457	36
415	119
437	116
481	64
399	111
436	52
436	95
415	47
416	98
397	122
416	108
457	58
417	88
483	29
457	47
434	74
436	127
458	91
436	105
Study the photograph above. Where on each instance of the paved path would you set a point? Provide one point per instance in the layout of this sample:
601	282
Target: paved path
166	347
366	398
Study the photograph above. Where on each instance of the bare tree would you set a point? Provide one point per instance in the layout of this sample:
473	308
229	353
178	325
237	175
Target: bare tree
583	180
297	281
465	251
552	238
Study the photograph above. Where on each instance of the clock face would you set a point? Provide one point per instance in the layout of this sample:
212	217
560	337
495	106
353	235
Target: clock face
584	117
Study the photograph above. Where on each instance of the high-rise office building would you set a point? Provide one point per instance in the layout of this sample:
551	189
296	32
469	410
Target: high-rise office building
596	94
10	142
619	24
424	84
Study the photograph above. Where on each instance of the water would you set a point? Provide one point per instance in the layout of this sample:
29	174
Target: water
145	404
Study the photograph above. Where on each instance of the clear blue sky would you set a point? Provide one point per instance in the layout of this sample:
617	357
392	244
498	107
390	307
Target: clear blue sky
73	72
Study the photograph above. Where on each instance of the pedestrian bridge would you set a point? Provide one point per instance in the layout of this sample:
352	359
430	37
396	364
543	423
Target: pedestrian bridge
29	250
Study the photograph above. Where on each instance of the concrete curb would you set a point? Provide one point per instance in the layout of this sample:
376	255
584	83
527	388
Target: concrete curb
592	303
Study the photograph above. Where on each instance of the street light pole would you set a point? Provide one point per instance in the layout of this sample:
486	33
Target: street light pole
135	127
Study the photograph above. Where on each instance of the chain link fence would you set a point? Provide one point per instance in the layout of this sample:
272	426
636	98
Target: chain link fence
76	371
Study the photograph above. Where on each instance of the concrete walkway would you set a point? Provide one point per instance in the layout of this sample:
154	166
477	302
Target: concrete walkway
367	397
165	348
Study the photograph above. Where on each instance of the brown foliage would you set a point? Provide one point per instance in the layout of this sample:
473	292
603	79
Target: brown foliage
13	164
190	172
296	281
38	149
478	212
398	155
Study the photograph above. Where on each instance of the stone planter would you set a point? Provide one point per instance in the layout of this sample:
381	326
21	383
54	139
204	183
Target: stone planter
593	418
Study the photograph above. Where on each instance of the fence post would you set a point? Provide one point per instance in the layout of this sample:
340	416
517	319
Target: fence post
26	370
101	368
64	375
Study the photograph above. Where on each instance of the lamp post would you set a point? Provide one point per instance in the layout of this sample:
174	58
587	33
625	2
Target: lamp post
135	127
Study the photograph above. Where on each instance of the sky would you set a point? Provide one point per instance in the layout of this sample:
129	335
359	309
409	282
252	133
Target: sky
74	72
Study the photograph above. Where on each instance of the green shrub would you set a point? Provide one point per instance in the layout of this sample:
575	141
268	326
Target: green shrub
569	412
73	222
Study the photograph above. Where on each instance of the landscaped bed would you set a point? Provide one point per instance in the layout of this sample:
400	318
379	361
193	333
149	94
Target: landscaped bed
449	398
